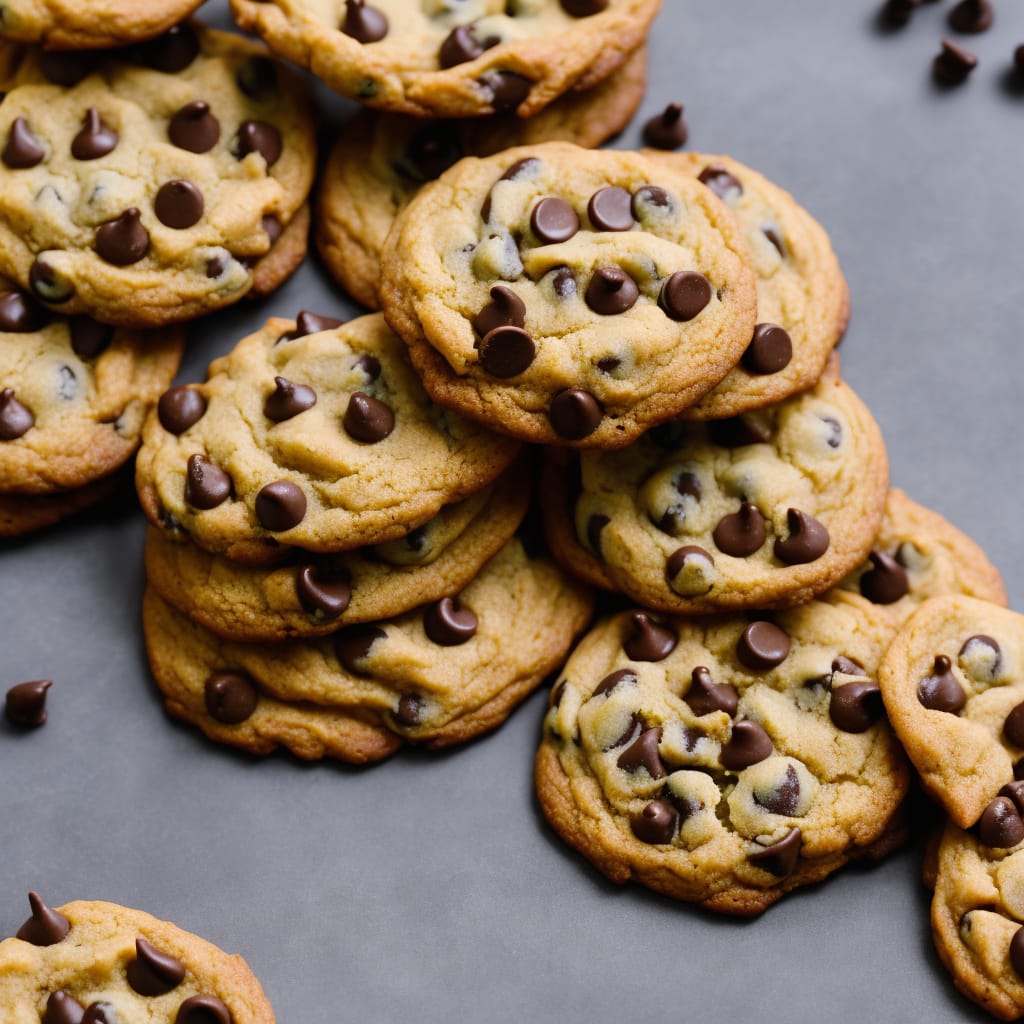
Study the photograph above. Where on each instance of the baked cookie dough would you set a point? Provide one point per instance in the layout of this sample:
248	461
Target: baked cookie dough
27	513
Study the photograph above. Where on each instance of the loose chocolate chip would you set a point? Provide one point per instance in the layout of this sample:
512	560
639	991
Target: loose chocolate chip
770	350
1017	951
448	624
971	16
257	78
311	323
647	640
855	707
352	645
705	696
367	419
124	240
153	972
288	400
679	558
807	541
622	676
656	823
179	408
179	204
666	130
741	533
280	506
364	23
1000	824
898	12
505	309
461	46
173	51
101	1013
749	744
575	414
22	149
611	291
68	67
583	8
953	64
720	181
739	431
886	582
649	196
983	648
231	697
206	485
194	128
507	89
19	314
643	753
595	524
506	351
780	859
684	295
89	338
1013	727
553	220
611	209
1014	791
46	927
63	1008
323	592
15	419
785	798
259	137
95	139
48	283
762	646
25	704
203	1010
941	691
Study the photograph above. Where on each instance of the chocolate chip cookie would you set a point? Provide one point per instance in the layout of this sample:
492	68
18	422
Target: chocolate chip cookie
100	963
569	296
146	185
763	510
728	760
26	513
381	160
453	58
436	676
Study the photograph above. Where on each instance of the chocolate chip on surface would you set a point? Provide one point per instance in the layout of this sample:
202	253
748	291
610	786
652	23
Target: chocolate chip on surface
95	139
981	658
179	408
194	128
646	640
25	703
123	241
886	582
366	419
941	691
280	506
808	539
611	209
447	623
611	291
179	204
364	23
666	130
230	697
770	350
741	533
46	927
971	16
898	12
749	744
101	1012
68	67
705	696
22	149
288	400
311	323
49	283
575	414
784	797
762	645
153	972
553	220
684	295
656	823
953	64
16	419
206	485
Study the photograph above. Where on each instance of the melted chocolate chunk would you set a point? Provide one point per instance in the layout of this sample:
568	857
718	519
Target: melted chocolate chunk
25	703
808	540
123	241
353	644
203	1009
46	927
886	582
288	400
770	350
780	859
206	485
364	23
762	646
611	209
194	128
785	798
96	138
611	291
179	408
971	16
230	697
179	204
16	419
173	51
575	414
447	623
553	220
505	309
982	648
153	972
367	419
953	64
259	137
720	181
656	823
323	592
855	707
507	89
684	295
706	696
63	1008
647	640
749	744
681	556
643	753
621	677
941	691
22	149
666	130
741	533
19	314
1000	824
595	524
280	506
89	339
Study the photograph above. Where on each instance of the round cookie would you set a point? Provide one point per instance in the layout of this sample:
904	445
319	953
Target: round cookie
381	160
953	685
109	963
451	58
313	595
78	25
146	185
569	296
313	435
26	513
436	676
725	761
977	915
73	394
762	511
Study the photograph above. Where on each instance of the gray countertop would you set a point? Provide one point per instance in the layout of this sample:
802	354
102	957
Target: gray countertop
429	888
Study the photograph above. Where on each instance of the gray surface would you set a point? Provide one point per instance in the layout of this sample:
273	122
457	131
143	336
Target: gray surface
428	888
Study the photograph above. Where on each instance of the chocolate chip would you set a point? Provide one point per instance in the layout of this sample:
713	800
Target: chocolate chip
507	351
656	823
505	309
408	711
898	12
635	725
762	646
971	16
259	137
620	677
257	78
231	697
611	209
983	655
1017	952
22	149
1013	727
666	130
528	165
749	744
807	541
647	640
194	128
595	524
352	645
206	485
45	927
720	181
647	197
364	23
448	624
1000	824
611	291
153	972
575	414
583	8
705	696
855	707
95	139
63	1008
179	408
507	89
173	51
684	295
179	204
741	533
89	338
461	46
288	400
643	753
1014	791
101	1012
69	67
779	859
48	283
124	240
784	798
280	506
886	582
553	220
366	419
19	314
953	64
739	431
323	592
203	1010
15	419
681	556
941	691
770	350
25	704
563	282
311	323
